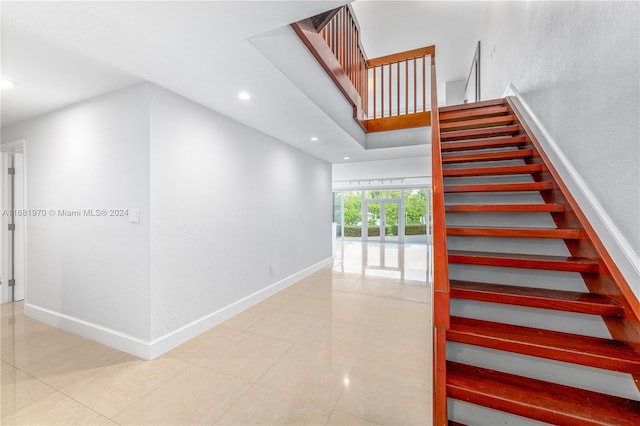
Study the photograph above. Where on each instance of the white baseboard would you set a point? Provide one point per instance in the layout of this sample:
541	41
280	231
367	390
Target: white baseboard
616	244
104	335
171	340
152	349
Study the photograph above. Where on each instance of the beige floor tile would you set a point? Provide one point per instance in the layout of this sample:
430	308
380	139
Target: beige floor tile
195	397
262	406
247	355
206	344
294	290
19	390
66	367
56	409
310	307
113	388
11	309
285	326
246	319
309	374
387	395
336	337
400	349
43	344
5	368
379	313
338	418
277	300
19	327
320	290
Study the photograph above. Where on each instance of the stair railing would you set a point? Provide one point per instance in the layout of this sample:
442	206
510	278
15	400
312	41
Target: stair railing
342	35
440	302
398	90
387	93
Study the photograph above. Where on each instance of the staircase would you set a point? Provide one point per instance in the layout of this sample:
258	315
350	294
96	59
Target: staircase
543	327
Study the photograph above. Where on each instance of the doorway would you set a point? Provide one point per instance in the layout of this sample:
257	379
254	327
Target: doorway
14	221
384	221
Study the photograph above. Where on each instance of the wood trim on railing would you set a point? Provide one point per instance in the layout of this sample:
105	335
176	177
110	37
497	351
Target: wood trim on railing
406	121
323	54
402	56
441	315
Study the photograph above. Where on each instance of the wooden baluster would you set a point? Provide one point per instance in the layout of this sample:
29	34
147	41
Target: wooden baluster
365	85
406	87
375	93
424	83
415	85
398	93
382	91
390	89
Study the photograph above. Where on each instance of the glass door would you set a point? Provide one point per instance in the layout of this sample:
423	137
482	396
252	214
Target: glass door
384	221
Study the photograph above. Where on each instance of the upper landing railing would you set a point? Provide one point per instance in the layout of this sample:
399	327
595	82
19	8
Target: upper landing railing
387	93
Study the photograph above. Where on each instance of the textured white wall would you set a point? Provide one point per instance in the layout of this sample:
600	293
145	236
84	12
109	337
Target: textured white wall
577	66
227	202
92	155
454	92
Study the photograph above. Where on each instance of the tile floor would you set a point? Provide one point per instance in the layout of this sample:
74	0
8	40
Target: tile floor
348	345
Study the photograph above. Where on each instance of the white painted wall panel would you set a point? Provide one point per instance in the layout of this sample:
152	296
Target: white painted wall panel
227	203
91	155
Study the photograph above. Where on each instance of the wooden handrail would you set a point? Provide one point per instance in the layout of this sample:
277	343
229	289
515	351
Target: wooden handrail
342	35
334	69
440	265
402	56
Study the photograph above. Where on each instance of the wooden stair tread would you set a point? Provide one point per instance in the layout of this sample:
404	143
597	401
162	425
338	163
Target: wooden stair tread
526	261
485	231
504	208
493	170
471	106
560	300
499	187
538	399
476	123
487	156
483	143
573	348
473	113
484	132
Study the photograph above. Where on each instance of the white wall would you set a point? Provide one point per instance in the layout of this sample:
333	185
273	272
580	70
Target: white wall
577	65
93	155
227	203
228	216
382	169
454	92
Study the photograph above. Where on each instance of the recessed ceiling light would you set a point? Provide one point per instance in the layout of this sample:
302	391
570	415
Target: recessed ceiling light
346	158
314	138
245	96
6	84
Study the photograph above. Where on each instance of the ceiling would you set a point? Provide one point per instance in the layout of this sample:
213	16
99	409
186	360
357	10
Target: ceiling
59	53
